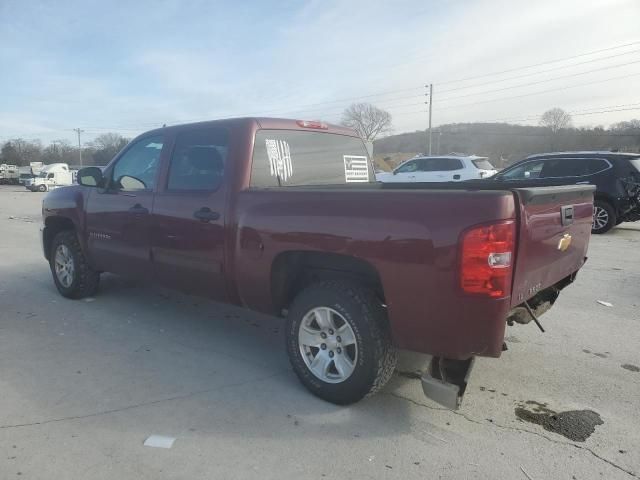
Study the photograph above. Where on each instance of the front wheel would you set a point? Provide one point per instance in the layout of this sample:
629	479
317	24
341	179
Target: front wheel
73	276
42	188
338	341
604	217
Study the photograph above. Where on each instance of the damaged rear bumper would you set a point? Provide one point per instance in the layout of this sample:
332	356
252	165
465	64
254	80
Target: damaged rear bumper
445	381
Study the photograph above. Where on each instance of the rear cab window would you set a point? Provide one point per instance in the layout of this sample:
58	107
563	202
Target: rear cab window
288	158
198	160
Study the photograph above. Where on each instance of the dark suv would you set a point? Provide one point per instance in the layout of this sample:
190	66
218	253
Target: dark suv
615	175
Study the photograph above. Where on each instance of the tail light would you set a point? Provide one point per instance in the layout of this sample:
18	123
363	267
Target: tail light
486	265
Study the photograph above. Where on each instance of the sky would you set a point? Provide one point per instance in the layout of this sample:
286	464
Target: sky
131	66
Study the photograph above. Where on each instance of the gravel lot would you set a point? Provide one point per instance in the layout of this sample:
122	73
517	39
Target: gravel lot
84	383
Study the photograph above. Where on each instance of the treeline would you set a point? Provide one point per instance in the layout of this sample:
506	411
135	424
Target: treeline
505	143
21	152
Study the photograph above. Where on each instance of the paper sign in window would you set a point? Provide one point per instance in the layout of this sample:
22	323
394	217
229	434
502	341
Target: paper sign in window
356	168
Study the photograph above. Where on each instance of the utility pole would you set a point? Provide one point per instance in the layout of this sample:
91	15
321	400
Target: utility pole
78	131
430	109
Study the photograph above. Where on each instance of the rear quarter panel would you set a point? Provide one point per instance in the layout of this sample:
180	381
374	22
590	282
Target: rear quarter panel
410	237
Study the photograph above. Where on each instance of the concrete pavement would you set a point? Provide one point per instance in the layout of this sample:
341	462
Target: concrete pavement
84	383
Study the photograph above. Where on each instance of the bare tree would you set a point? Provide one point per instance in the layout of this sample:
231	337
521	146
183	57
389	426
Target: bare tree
555	120
368	120
20	152
106	147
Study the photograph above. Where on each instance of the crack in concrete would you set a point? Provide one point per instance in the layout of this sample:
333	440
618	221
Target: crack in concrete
142	404
523	430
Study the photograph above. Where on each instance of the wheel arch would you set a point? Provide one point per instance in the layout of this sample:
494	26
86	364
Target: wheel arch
605	197
53	226
292	271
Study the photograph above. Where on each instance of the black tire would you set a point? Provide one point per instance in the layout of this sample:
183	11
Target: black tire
608	210
85	280
42	188
376	357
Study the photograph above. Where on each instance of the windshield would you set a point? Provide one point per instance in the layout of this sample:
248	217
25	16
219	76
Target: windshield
42	174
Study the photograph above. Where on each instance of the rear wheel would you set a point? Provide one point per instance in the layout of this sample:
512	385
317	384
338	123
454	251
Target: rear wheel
338	341
73	276
604	217
42	188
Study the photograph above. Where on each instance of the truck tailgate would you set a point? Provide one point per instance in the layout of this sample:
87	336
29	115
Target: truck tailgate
553	236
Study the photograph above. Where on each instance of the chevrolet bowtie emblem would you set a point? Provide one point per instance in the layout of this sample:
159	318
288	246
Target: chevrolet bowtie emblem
564	242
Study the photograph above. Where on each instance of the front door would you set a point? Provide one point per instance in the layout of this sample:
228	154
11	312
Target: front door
118	215
188	214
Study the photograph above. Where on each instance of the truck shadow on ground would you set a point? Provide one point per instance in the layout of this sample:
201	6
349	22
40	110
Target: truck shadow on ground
204	367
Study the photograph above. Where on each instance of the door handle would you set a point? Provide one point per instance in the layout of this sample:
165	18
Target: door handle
456	177
583	183
138	209
205	214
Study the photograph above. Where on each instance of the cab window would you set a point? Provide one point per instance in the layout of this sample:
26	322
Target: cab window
136	169
408	167
526	171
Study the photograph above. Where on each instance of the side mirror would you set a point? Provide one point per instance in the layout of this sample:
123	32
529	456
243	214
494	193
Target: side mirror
90	177
395	172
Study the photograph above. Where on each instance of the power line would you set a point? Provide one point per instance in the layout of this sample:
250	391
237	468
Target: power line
571	75
544	91
446	82
524	75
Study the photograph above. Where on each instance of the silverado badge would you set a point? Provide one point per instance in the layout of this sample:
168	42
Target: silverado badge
564	242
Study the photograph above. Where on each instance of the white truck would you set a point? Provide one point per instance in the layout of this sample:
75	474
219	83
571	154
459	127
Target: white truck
29	172
51	176
9	174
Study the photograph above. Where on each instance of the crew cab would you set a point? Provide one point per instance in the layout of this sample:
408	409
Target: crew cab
285	217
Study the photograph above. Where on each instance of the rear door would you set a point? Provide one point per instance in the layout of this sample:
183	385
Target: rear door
553	236
188	214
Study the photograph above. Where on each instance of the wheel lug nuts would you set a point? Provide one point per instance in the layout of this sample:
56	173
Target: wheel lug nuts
330	332
330	354
323	335
338	339
323	346
339	350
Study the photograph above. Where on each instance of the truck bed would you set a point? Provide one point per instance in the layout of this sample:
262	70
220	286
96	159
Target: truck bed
410	235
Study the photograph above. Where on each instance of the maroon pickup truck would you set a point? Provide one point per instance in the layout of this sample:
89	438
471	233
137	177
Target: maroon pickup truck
285	217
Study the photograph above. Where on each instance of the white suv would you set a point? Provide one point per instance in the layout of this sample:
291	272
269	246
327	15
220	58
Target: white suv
447	168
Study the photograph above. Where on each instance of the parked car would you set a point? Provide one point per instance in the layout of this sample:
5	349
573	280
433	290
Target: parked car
616	177
448	168
283	217
50	177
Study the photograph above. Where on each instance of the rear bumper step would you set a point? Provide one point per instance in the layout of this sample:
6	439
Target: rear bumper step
446	381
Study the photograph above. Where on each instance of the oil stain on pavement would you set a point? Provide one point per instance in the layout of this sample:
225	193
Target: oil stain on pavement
576	425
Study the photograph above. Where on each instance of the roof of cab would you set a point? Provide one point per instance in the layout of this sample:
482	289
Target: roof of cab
265	123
